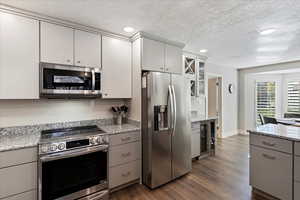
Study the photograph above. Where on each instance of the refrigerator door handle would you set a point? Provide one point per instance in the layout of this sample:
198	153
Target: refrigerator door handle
170	96
174	109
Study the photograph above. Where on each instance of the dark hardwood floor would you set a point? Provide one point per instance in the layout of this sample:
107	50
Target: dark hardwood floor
222	177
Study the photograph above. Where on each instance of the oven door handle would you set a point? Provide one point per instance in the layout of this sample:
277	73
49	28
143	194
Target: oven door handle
73	153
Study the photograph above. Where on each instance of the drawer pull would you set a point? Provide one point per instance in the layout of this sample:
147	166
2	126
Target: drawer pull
125	139
126	154
268	144
269	157
126	174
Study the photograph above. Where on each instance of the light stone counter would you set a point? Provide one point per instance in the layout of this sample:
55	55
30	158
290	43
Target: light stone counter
12	138
278	130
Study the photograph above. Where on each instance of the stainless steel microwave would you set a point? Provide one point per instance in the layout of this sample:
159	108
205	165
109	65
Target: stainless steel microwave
63	81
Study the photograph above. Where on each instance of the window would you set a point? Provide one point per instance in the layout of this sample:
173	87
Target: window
293	97
265	99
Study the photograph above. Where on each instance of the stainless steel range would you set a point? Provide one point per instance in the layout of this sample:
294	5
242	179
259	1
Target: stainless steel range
73	164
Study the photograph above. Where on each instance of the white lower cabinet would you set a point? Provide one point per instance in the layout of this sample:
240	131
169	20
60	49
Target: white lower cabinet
124	158
124	153
195	145
123	174
30	195
271	172
18	179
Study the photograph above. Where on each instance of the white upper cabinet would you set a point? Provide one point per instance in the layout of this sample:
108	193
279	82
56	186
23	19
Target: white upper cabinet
116	71
57	44
153	55
87	49
19	57
173	62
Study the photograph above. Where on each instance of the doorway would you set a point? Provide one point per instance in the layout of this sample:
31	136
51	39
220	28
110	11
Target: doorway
214	100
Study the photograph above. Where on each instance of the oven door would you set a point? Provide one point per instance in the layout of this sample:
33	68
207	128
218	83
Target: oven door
63	80
73	174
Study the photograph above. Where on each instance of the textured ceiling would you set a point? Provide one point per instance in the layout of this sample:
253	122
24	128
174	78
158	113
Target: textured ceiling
229	29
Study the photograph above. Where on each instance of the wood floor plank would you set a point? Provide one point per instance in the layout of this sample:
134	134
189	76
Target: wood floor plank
222	177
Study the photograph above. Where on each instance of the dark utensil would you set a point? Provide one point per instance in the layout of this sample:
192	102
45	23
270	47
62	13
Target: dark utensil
114	109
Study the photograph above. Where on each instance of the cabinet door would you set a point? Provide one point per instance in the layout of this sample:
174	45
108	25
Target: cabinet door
271	172
87	49
56	44
173	62
153	55
116	71
19	57
195	145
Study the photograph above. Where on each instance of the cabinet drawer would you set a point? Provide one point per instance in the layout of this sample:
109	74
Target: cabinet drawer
296	190
16	157
124	138
30	195
122	174
18	179
297	148
272	143
271	172
124	153
297	168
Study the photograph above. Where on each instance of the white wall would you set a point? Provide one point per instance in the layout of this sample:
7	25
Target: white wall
29	112
230	101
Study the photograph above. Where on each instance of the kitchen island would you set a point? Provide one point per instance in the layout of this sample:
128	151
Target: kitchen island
275	161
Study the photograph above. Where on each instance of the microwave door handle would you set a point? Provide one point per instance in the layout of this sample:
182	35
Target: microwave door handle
174	109
93	80
73	153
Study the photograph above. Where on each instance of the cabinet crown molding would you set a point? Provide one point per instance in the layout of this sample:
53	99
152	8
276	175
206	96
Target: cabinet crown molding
143	34
195	55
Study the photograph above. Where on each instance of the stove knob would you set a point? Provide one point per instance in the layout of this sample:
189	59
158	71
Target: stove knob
94	140
53	147
61	146
99	140
105	140
44	149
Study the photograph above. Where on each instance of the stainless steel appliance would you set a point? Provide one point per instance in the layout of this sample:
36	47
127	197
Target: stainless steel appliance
62	81
166	130
73	164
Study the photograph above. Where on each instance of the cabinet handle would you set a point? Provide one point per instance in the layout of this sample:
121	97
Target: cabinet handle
78	61
269	157
68	60
125	139
167	69
268	144
126	154
161	68
105	94
126	174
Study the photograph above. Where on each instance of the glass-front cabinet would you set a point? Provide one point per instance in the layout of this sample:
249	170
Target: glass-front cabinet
201	78
194	70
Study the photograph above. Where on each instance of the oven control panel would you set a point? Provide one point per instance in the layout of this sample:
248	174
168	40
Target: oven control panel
71	144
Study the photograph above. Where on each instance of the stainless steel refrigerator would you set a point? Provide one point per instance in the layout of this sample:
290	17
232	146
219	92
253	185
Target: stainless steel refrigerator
166	128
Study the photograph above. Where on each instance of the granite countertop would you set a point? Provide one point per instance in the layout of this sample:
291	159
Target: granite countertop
199	119
12	138
278	130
